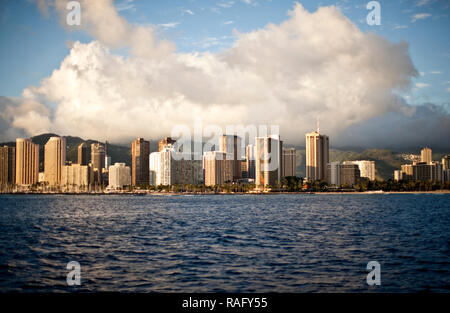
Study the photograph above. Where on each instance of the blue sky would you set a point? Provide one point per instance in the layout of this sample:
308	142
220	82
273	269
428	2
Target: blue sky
290	83
34	45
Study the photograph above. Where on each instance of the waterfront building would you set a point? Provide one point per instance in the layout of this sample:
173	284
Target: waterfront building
407	171
349	174
446	175
250	156
269	161
289	164
398	175
446	162
244	169
76	177
155	168
107	162
7	166
170	167
119	176
179	168
426	156
342	174
317	156
367	168
27	162
432	171
333	175
98	157
218	168
231	145
82	154
427	171
54	160
140	152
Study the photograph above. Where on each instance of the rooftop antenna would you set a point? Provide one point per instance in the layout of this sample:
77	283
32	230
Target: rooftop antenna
318	126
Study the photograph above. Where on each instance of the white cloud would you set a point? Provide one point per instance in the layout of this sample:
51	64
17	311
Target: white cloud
421	3
125	5
436	72
226	4
253	3
287	74
189	12
420	16
102	21
228	22
169	25
400	27
422	85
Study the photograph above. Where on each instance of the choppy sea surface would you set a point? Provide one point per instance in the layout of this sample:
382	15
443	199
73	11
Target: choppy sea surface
225	243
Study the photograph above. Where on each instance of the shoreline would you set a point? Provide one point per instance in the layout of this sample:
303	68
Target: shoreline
227	193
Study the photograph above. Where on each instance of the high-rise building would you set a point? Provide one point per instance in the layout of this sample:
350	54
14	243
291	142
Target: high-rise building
250	156
119	175
54	160
334	173
407	171
423	171
446	162
367	168
82	154
244	169
98	156
7	166
349	174
177	168
140	152
27	162
218	168
269	161
427	171
426	156
342	174
289	164
167	141
76	177
446	175
398	175
317	156
155	168
107	162
231	145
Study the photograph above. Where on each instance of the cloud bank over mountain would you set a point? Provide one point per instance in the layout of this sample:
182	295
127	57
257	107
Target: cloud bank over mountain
312	65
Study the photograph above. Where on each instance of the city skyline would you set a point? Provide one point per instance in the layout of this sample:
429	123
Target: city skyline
171	165
287	83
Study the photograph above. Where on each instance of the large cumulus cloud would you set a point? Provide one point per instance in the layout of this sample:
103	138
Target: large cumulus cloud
313	65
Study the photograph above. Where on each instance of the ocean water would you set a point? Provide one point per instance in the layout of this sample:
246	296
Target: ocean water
225	243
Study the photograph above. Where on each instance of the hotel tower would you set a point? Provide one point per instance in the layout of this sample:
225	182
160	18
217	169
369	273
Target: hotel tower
27	162
54	159
317	155
140	152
